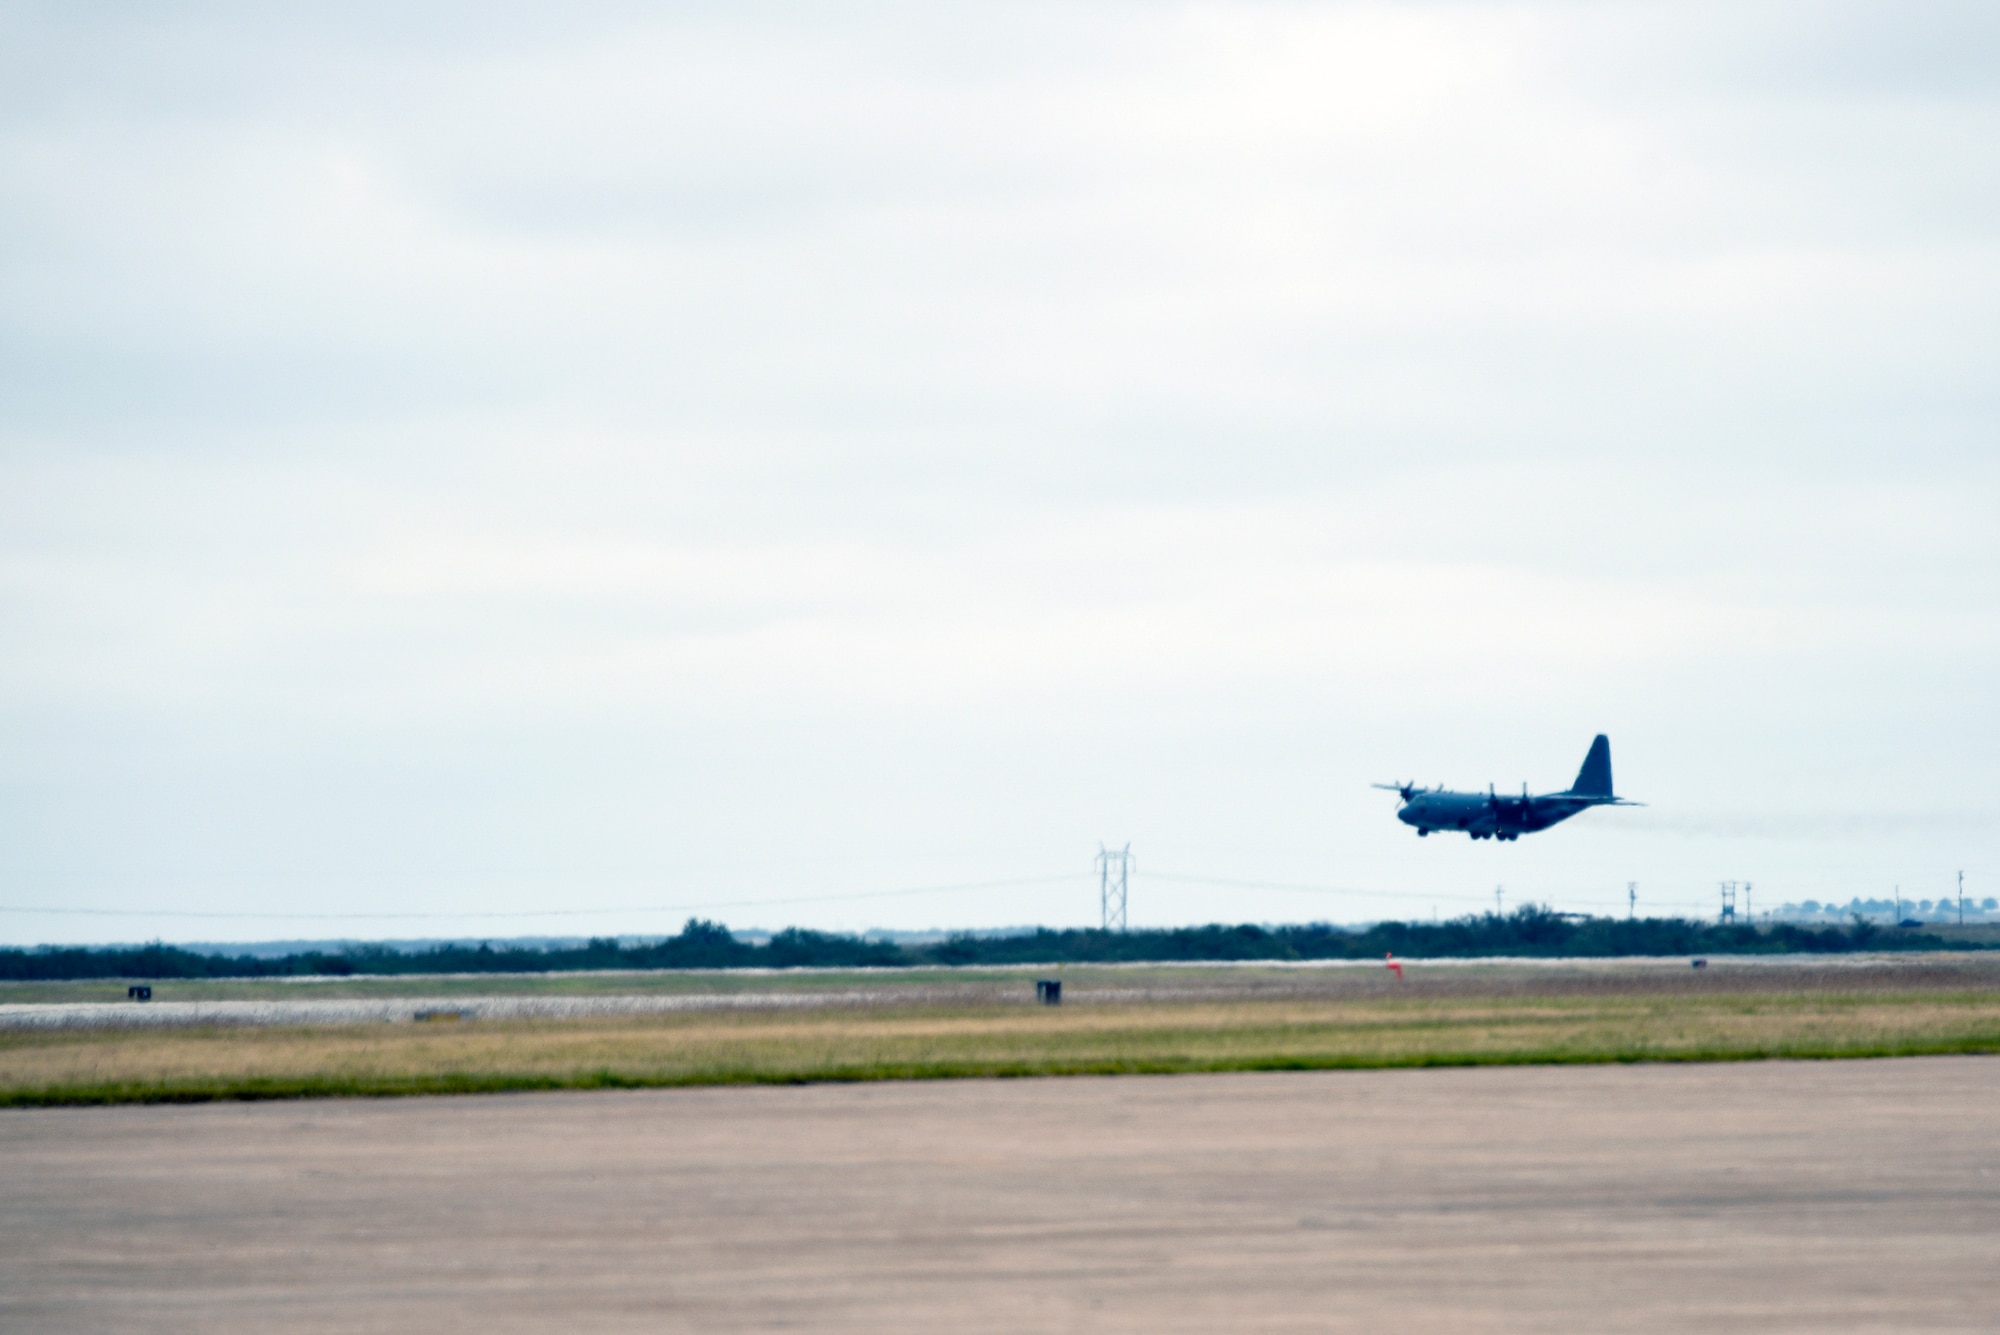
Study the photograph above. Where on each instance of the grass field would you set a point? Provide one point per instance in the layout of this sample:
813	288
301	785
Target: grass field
1158	1020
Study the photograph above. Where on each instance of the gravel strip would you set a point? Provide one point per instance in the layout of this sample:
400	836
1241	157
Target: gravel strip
405	1010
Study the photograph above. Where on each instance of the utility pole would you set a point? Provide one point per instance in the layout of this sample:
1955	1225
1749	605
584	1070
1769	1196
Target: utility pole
1498	911
1631	900
1899	907
1748	911
1961	899
1113	875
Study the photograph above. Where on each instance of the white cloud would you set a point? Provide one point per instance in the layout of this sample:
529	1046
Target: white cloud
438	446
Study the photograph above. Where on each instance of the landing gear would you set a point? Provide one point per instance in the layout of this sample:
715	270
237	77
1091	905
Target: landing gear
1423	834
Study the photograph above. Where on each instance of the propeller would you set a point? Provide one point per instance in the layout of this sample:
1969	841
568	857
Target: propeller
1403	790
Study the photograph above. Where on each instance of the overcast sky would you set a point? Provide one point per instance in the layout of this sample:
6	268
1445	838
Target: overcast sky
630	461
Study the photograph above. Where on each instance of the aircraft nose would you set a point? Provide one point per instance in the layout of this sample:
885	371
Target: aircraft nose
1407	816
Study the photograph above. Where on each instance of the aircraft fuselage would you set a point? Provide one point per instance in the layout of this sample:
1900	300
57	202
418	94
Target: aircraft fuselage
1486	816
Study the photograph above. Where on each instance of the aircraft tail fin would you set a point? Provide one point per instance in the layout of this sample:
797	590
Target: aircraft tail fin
1594	779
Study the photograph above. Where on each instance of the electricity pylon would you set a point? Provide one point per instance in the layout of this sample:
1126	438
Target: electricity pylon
1114	872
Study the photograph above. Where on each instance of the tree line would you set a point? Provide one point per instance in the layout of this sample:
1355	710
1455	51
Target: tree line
701	944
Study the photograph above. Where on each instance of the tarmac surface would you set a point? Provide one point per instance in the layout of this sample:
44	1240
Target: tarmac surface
395	999
1770	1196
400	1009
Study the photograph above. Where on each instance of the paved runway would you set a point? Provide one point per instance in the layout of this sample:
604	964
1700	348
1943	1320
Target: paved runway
392	1010
1815	1197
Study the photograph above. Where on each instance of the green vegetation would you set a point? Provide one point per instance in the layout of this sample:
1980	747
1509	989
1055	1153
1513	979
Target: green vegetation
700	945
1528	931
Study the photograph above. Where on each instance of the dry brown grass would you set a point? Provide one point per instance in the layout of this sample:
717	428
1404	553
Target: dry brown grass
1410	1027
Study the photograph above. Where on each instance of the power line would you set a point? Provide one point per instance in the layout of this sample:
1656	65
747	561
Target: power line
1112	874
1426	896
1297	888
551	913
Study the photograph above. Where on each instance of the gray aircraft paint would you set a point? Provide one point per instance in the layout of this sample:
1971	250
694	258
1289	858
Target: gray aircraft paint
1487	815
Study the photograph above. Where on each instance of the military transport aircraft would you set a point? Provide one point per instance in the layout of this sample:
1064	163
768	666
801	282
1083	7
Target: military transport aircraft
1487	815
